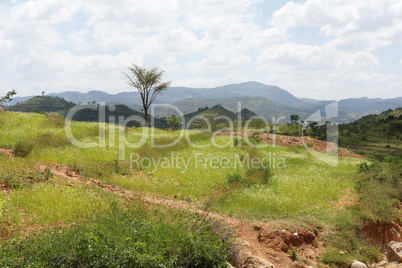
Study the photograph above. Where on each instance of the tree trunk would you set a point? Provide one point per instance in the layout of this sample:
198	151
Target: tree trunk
146	116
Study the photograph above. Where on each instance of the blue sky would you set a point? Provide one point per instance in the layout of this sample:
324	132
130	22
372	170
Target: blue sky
323	49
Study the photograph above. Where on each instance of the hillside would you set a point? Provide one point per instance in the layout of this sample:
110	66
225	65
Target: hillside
42	104
84	113
386	115
202	201
259	105
246	114
91	114
377	135
212	112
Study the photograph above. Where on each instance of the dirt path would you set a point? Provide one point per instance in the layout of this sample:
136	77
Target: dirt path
257	245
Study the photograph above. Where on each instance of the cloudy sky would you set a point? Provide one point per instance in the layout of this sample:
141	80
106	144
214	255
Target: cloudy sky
323	49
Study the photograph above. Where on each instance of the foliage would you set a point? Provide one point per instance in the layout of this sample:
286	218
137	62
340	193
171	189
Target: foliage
124	238
294	118
23	148
148	82
255	138
174	121
8	96
375	136
234	177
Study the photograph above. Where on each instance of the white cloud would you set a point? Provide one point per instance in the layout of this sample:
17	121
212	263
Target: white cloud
58	45
354	25
312	57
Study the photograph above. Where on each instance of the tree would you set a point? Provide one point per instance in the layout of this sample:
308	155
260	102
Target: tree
174	122
7	97
148	83
294	118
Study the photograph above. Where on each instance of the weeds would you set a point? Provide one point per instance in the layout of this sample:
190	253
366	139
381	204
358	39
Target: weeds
23	148
123	238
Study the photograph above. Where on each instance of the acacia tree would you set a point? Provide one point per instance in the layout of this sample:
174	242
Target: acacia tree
7	97
148	83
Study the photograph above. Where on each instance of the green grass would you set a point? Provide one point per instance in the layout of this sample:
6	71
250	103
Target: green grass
54	204
130	237
299	185
300	180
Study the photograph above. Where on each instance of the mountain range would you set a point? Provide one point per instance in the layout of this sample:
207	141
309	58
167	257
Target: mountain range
264	100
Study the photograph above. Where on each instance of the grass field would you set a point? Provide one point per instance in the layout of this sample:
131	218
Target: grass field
287	183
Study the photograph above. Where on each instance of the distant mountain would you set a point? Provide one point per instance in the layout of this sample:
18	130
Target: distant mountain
42	104
173	94
280	101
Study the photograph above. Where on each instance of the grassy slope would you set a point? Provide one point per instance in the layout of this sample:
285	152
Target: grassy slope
43	103
300	180
300	186
374	134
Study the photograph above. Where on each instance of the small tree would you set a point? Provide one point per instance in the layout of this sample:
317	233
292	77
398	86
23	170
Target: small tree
294	118
7	97
174	122
148	83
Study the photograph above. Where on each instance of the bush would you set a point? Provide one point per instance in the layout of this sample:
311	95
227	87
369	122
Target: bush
255	138
234	177
366	167
237	142
22	148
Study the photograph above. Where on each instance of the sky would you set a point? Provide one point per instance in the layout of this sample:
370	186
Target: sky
321	49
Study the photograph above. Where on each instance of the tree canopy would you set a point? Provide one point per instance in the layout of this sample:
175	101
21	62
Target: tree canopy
149	84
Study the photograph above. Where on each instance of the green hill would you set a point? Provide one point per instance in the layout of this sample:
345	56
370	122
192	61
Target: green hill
91	114
43	104
379	135
263	106
384	116
211	113
246	114
84	113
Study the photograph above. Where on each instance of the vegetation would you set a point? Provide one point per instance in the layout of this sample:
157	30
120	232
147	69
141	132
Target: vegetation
148	83
85	225
43	104
377	136
132	237
8	96
174	121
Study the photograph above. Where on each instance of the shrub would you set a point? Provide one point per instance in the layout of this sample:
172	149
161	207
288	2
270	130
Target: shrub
237	142
366	167
22	148
234	177
255	138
